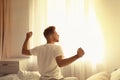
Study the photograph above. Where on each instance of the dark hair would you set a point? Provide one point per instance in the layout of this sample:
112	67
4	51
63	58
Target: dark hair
48	31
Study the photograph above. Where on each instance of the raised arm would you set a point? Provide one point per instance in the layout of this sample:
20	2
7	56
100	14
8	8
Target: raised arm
25	49
63	62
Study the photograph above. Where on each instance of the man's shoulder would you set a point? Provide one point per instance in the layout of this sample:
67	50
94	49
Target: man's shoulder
39	46
49	45
56	46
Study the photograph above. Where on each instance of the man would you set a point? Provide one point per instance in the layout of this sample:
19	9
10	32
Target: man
50	56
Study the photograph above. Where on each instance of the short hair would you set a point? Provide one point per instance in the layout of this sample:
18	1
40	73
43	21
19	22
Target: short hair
48	31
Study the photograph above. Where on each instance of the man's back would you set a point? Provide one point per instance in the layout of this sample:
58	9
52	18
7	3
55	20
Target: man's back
46	55
50	56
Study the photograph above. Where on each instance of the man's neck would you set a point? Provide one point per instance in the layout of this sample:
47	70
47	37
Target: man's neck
50	42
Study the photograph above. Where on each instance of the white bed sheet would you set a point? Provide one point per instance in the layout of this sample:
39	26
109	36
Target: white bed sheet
100	76
34	75
10	77
114	75
29	75
22	75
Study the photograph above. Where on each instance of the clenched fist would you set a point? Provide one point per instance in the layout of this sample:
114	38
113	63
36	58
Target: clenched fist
80	52
29	34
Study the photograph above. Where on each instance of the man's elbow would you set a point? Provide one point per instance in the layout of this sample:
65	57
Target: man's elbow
60	61
23	53
26	52
60	64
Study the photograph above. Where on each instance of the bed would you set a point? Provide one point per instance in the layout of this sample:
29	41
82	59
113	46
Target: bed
34	75
115	75
22	75
20	72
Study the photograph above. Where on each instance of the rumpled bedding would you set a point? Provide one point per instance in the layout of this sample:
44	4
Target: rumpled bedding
100	76
10	77
22	75
33	75
115	75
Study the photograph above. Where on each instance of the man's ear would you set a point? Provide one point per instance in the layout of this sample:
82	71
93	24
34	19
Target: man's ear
51	36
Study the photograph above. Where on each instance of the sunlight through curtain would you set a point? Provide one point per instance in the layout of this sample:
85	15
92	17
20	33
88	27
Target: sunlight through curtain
77	24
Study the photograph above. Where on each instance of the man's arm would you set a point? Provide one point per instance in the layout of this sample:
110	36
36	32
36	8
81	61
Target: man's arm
25	49
63	62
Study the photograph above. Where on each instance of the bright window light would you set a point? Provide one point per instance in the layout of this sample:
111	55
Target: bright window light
78	27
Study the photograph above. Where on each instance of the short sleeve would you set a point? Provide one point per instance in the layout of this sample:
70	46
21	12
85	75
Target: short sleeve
58	51
34	51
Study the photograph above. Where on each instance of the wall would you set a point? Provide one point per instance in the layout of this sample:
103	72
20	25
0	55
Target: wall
108	12
20	24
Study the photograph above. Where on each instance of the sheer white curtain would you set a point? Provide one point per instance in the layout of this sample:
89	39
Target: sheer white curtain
77	25
5	29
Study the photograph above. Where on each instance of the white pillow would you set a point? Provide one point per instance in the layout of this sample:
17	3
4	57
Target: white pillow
70	78
28	75
115	75
10	77
100	76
